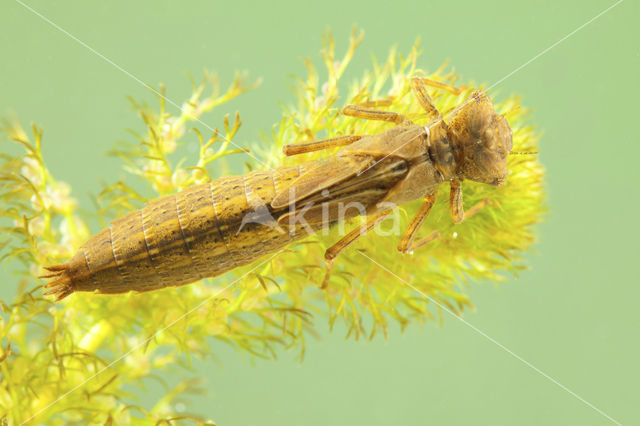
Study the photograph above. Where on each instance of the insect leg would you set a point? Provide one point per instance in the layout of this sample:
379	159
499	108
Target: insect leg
318	145
378	103
422	241
455	203
362	111
411	246
420	91
477	207
406	243
333	251
437	84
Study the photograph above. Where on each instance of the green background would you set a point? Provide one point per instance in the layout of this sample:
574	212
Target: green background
572	315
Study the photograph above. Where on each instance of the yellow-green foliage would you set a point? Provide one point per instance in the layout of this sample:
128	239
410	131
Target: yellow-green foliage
49	349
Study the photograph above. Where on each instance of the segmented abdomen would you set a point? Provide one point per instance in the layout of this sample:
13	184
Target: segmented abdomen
202	231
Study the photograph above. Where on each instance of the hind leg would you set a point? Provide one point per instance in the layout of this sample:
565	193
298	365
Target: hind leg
299	148
333	251
407	245
364	110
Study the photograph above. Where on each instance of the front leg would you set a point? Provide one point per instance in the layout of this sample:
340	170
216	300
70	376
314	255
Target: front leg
420	92
455	203
418	85
439	85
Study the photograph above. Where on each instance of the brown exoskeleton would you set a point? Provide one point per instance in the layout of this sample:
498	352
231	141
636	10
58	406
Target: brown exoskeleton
214	227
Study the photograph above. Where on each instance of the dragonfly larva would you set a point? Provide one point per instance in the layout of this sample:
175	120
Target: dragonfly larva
208	229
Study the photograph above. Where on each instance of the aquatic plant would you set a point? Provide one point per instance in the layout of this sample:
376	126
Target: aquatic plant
77	360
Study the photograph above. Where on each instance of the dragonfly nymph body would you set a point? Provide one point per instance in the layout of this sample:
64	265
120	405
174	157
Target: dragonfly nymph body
209	229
